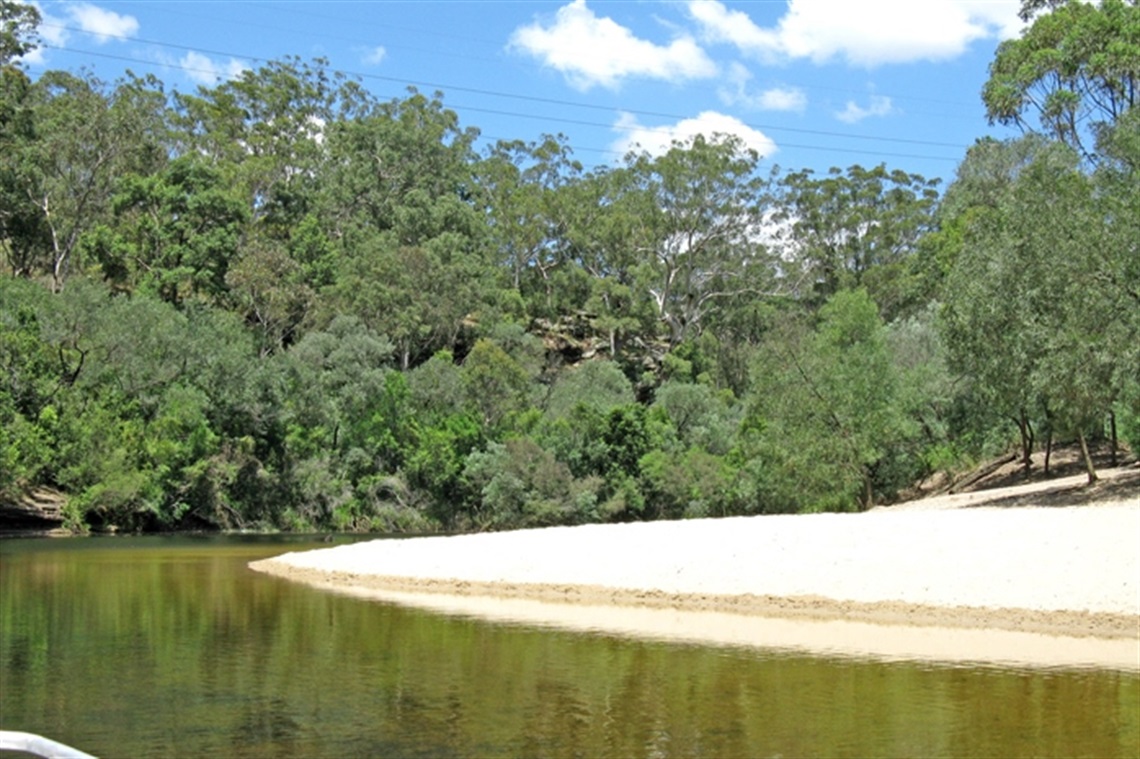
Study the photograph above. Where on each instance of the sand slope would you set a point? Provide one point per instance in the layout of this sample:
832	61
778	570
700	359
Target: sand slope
954	562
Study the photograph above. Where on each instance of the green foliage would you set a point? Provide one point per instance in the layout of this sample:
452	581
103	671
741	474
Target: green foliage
691	484
1038	303
596	385
522	485
81	137
437	461
18	35
495	384
854	229
279	302
697	207
697	416
1076	67
826	410
175	234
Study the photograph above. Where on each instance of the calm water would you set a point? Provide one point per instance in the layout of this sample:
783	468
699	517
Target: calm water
155	647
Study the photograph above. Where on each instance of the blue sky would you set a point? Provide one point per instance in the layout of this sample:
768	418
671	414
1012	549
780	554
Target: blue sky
808	83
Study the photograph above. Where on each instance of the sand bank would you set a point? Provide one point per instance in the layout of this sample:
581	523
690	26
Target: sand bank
961	578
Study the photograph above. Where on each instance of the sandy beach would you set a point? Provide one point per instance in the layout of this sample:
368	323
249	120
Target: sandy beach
1013	575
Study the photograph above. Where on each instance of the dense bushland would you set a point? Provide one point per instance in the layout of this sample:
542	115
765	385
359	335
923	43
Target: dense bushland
281	303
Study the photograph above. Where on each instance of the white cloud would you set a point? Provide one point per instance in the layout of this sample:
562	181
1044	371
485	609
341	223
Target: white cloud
205	70
735	92
373	56
658	140
590	51
101	23
782	99
854	113
51	31
868	33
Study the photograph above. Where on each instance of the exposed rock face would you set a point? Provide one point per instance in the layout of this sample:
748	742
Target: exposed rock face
37	509
574	338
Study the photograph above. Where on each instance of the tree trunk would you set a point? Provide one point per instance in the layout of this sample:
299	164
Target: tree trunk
1112	432
981	473
1088	459
1025	428
1048	449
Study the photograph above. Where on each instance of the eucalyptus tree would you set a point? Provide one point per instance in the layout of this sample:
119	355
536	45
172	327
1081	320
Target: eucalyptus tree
696	228
21	228
521	185
18	36
603	214
1116	184
174	233
1034	313
984	309
23	232
265	130
851	229
399	203
84	136
1076	68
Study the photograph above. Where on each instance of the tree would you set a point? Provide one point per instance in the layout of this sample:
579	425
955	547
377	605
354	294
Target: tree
852	229
522	184
983	308
20	228
522	485
336	376
697	230
1034	307
1076	68
825	410
23	231
18	37
598	385
265	130
697	416
398	201
598	257
270	289
496	384
418	296
175	234
85	137
1117	189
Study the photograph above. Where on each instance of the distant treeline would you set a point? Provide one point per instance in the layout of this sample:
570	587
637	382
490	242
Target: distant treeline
279	302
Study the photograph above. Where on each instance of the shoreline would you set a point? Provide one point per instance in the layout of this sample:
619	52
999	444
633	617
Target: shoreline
777	626
1062	581
1073	624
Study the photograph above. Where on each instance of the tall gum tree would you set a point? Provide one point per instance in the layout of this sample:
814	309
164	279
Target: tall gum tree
21	225
399	203
1076	68
1030	313
699	228
853	228
86	135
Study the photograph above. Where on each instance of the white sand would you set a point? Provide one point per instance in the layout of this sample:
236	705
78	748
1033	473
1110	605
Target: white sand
945	552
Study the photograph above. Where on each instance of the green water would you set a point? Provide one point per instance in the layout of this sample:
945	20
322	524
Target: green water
155	647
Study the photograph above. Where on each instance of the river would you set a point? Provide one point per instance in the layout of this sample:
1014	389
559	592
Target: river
171	647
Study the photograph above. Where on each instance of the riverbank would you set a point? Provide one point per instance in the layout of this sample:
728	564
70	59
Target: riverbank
984	561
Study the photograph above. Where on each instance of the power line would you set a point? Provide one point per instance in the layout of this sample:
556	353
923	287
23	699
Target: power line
285	5
516	96
531	116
